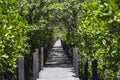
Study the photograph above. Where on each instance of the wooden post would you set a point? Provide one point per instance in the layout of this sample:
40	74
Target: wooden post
94	70
73	58
75	61
45	52
69	51
86	68
21	68
42	58
65	50
36	64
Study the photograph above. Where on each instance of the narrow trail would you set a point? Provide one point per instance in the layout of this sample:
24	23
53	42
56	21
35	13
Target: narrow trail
58	66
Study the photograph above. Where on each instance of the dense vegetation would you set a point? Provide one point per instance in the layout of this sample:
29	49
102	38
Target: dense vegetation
13	36
90	25
98	35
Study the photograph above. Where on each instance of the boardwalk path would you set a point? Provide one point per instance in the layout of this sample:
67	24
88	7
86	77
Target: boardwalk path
58	66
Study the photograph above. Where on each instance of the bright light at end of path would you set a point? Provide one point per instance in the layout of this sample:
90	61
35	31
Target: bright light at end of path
57	43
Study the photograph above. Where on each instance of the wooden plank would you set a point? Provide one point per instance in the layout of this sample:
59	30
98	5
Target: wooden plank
57	73
36	64
21	68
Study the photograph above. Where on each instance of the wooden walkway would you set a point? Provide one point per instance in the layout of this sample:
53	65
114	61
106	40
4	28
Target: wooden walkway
58	66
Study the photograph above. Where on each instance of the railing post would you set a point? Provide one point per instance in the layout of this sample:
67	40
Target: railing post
36	64
73	58
45	52
42	58
21	68
94	70
69	51
65	50
86	68
75	61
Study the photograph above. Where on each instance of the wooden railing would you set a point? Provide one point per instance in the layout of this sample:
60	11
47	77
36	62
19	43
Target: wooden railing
74	57
73	54
39	57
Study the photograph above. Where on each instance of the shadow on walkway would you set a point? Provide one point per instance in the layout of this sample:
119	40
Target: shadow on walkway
58	66
57	57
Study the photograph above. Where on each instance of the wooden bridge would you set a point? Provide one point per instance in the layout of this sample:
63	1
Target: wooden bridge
58	66
51	63
57	61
